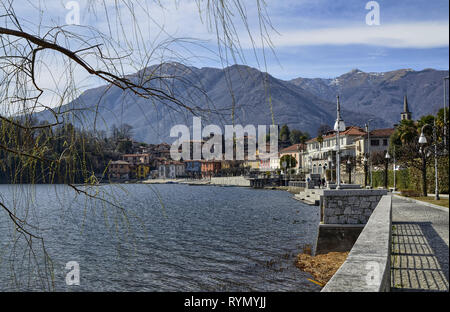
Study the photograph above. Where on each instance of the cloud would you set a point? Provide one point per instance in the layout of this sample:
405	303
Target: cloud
405	35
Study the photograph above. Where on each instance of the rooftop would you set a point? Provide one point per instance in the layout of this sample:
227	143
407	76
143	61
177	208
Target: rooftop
382	132
293	148
351	130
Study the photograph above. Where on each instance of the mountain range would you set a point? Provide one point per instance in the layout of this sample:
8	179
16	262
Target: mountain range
381	94
245	95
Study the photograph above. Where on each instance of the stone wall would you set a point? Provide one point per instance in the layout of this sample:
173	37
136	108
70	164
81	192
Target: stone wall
349	206
295	189
230	181
367	267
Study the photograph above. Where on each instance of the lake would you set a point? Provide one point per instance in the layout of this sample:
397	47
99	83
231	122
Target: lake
167	237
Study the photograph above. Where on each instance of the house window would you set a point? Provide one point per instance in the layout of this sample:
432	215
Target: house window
374	142
385	142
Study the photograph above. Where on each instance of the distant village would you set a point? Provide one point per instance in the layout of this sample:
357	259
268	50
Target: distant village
314	159
315	156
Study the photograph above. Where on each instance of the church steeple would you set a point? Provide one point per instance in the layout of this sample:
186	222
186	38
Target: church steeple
406	115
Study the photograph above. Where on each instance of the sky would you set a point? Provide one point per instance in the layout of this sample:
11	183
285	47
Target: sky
328	38
311	38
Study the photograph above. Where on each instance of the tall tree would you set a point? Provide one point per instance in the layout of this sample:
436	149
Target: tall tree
45	64
409	152
289	161
284	133
297	136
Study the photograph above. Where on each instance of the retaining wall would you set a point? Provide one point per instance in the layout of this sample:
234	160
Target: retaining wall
349	206
367	268
231	181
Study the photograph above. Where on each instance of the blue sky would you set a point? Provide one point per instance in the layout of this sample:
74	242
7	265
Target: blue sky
422	24
323	38
313	38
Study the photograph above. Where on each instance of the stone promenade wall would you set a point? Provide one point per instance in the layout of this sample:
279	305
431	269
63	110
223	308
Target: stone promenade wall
349	206
367	267
231	181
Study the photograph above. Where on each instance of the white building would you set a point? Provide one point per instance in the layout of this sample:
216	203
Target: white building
271	163
318	151
171	170
274	163
379	142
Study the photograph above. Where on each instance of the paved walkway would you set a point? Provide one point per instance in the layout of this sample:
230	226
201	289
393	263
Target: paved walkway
420	247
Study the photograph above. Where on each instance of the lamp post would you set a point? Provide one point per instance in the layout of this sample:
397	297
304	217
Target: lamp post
332	173
349	168
368	151
338	127
423	140
330	161
395	169
365	170
387	157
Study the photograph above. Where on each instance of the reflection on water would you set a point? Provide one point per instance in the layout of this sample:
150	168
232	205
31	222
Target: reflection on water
159	238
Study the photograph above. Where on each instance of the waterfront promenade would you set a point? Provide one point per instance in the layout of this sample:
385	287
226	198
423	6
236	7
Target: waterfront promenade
420	247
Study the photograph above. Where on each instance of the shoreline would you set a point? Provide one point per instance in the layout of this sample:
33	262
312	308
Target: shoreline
322	267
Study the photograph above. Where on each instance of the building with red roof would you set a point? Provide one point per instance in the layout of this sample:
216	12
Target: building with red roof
353	145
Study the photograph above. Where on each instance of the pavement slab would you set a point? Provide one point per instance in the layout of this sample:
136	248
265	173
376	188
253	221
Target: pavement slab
420	247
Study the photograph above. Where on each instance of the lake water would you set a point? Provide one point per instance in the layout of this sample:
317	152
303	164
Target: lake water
156	238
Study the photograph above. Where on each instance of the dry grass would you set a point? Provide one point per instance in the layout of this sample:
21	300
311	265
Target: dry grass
442	202
322	267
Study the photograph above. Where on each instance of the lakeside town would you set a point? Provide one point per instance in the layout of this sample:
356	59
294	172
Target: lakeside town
314	157
362	152
322	164
351	173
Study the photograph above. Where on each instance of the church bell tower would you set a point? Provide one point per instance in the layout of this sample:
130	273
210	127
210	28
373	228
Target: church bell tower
406	115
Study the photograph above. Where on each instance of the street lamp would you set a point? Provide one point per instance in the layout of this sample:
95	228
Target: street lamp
422	141
368	150
365	170
338	127
330	161
395	169
332	173
349	170
387	157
